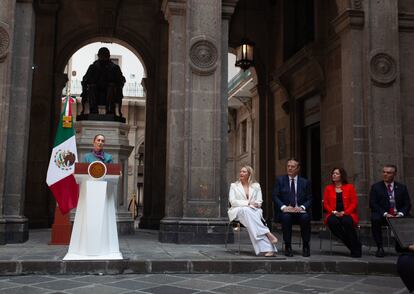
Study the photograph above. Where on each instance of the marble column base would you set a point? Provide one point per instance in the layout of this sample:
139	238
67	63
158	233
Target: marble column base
193	230
14	230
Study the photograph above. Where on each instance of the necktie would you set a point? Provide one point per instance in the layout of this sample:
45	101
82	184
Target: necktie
392	199
292	193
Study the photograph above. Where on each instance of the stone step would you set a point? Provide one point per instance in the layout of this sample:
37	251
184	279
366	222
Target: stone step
259	265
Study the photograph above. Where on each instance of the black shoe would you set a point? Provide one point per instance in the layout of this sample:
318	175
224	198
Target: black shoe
380	252
288	251
306	251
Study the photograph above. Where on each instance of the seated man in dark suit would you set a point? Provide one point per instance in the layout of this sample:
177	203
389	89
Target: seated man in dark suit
292	198
387	198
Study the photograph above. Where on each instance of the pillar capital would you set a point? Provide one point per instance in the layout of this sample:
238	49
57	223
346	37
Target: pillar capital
47	6
173	7
343	5
349	19
227	8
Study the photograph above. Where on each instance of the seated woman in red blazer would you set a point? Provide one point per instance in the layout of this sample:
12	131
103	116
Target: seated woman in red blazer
340	204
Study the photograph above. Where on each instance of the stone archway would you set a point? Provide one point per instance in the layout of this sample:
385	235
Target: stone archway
57	38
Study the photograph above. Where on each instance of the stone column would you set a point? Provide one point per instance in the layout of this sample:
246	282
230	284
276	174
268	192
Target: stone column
228	7
7	15
153	164
18	126
349	26
384	111
195	170
370	92
45	108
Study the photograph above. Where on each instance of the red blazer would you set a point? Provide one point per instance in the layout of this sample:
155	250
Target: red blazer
349	198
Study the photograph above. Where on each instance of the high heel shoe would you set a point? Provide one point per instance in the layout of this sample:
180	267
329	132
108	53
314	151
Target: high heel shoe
269	254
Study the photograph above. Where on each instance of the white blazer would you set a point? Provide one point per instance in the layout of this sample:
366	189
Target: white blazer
238	198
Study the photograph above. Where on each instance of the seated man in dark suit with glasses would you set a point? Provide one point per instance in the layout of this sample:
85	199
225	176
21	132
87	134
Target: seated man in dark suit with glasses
387	198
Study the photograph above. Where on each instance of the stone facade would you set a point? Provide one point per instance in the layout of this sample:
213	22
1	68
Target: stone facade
352	68
332	87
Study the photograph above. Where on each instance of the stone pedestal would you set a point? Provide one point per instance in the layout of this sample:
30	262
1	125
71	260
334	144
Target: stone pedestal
117	144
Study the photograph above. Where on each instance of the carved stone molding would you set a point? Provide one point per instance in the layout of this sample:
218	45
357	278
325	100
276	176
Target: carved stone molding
203	55
47	7
343	5
357	4
308	58
173	7
383	68
227	8
4	43
349	19
406	22
246	101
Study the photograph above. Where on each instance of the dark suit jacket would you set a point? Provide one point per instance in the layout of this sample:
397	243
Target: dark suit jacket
281	193
379	201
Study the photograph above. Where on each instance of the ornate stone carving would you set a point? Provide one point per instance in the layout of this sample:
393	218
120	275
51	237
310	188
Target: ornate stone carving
383	68
203	56
246	101
4	43
357	4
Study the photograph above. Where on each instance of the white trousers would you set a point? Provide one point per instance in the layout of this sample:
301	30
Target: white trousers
251	219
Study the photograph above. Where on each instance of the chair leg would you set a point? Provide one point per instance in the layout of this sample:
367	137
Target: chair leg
330	242
227	235
320	239
388	236
238	235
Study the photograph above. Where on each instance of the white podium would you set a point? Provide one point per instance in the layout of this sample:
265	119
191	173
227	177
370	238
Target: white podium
94	233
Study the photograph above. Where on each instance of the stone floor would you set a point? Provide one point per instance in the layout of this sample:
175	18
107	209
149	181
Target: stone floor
201	283
143	254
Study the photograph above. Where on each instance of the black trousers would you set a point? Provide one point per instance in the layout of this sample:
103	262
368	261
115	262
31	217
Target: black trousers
287	219
405	268
343	228
376	224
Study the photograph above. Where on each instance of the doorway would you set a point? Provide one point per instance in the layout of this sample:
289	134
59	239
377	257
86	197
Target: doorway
311	151
313	167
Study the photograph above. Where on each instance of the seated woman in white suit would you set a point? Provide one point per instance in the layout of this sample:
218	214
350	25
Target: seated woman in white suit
246	200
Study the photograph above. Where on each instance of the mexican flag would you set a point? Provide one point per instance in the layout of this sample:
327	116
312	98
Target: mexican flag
60	178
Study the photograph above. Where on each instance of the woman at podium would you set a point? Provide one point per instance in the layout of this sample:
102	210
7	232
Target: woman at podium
97	153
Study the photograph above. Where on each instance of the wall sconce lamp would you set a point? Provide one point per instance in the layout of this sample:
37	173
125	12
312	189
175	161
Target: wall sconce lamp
244	53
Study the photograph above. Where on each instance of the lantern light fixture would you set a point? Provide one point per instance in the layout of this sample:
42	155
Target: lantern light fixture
244	54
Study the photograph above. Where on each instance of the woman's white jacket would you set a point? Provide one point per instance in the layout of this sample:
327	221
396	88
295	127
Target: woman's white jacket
238	198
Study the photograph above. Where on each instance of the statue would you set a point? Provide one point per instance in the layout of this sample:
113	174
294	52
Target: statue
102	85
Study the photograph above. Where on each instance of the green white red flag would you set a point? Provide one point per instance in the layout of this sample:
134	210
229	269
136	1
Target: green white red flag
60	174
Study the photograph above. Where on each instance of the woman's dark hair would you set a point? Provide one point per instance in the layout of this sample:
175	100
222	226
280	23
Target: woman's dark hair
96	136
344	176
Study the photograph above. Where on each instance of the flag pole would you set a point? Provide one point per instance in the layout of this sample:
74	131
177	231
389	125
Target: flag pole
61	227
